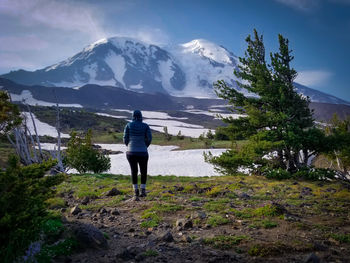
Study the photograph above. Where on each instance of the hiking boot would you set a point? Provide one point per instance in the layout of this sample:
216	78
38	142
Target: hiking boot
136	196
143	192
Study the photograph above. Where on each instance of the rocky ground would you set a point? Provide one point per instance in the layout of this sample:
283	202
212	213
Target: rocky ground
221	219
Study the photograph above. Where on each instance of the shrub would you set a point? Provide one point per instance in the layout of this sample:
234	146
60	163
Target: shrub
179	136
314	174
279	174
82	156
24	191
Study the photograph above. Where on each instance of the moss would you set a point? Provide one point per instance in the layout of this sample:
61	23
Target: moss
153	219
342	238
224	242
150	253
215	206
56	202
216	220
215	191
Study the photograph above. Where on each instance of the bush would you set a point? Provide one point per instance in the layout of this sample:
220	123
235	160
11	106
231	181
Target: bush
314	174
279	174
82	156
24	191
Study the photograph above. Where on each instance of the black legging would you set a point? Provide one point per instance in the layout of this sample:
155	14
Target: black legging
134	161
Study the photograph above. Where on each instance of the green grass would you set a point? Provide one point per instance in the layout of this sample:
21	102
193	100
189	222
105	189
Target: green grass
224	242
342	238
217	220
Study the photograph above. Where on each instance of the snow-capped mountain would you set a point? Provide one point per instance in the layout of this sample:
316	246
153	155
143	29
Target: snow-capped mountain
185	70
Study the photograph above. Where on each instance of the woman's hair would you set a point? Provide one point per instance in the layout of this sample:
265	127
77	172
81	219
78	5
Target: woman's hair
137	115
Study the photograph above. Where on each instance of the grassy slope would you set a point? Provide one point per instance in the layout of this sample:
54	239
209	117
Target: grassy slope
309	215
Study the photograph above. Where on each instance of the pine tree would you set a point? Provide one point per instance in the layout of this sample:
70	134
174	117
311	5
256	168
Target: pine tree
278	126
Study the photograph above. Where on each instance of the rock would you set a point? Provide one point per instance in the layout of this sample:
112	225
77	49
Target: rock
140	257
103	211
184	223
167	237
243	195
113	192
199	214
312	258
306	191
75	210
331	190
186	239
291	218
115	212
85	200
89	236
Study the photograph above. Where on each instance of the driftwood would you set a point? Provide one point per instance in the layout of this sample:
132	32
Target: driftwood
29	149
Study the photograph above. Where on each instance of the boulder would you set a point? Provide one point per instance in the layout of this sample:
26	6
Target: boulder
167	237
184	223
89	236
113	192
312	258
75	210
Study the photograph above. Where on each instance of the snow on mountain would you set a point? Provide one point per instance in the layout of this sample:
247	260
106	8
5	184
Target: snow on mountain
184	70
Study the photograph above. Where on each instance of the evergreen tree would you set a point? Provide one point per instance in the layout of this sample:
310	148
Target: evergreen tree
9	113
278	125
82	156
339	132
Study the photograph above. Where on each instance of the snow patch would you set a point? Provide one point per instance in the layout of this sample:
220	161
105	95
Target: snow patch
42	127
163	160
117	64
27	96
166	72
109	115
137	87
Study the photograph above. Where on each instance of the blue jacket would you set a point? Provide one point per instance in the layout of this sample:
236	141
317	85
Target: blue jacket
137	135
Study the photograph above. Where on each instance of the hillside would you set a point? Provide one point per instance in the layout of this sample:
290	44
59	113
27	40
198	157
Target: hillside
215	219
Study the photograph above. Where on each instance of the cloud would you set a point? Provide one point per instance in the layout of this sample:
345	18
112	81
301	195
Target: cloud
54	14
301	5
10	61
313	78
146	34
23	43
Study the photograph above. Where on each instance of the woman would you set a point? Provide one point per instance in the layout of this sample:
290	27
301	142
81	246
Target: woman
137	137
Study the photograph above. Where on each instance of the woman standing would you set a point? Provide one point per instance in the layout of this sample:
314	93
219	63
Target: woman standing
137	137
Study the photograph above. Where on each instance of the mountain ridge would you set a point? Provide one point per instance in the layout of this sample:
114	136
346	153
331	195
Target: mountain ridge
183	70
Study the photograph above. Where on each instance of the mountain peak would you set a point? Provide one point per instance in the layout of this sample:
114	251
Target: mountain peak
209	50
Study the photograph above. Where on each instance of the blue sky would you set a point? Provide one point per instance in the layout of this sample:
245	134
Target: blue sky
38	33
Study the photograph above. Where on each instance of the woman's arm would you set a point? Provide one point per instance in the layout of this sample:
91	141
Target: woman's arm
126	137
148	137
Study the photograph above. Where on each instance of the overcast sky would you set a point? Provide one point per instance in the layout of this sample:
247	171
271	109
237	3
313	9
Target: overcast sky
38	33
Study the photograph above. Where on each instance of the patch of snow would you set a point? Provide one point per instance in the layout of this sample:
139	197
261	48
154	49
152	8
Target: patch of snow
42	127
137	87
174	130
171	123
129	111
208	49
215	114
164	161
160	115
109	115
117	64
166	72
27	96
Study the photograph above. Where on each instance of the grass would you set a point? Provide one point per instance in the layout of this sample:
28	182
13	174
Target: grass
224	242
217	220
226	212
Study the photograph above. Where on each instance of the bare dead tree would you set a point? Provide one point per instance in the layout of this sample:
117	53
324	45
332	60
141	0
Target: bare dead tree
58	128
29	149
